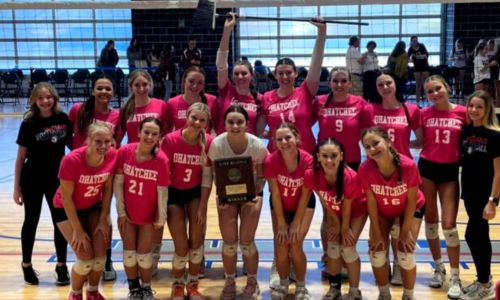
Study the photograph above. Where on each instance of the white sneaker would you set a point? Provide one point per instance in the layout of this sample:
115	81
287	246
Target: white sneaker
301	293
480	292
279	292
333	294
396	275
406	297
438	277
274	278
384	297
454	287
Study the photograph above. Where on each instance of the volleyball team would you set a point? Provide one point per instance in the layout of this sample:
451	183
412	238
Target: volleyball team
165	173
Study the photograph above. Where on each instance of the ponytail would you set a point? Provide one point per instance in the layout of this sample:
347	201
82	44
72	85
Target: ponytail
396	159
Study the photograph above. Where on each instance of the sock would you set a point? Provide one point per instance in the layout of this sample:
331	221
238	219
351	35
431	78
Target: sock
79	292
146	284
92	288
179	280
133	283
408	292
230	275
353	290
286	282
300	284
385	289
335	281
192	278
455	271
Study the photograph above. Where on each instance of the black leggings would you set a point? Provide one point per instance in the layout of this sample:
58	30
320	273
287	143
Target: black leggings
477	236
33	193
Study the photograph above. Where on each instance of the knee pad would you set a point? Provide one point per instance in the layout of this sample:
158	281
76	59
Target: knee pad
145	261
179	262
406	260
248	249
83	267
99	264
229	249
196	255
378	258
129	258
333	250
349	254
451	237
395	231
431	231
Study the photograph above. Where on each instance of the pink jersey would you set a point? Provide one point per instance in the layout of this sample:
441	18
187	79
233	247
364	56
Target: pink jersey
316	182
341	121
177	108
88	181
290	184
297	109
394	122
227	97
111	119
442	131
141	180
391	197
155	108
185	160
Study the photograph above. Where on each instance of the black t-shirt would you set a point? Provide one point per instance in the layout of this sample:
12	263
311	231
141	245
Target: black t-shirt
480	146
420	57
45	139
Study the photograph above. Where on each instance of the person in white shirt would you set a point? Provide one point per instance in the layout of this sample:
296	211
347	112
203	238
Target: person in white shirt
370	70
354	62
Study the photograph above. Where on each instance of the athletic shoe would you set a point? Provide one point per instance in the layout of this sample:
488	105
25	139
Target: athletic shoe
471	287
454	287
177	291
135	294
481	293
353	296
384	297
333	294
95	295
301	293
202	268
30	275
148	293
72	296
396	275
62	275
251	290
109	273
274	278
438	277
229	290
192	291
279	292
406	297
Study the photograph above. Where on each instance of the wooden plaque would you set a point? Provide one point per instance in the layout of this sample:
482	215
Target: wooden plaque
234	179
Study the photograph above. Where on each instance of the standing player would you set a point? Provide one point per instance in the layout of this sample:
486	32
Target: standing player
294	105
193	85
242	91
83	201
96	109
292	208
337	187
187	150
391	183
141	192
44	133
480	188
237	142
438	165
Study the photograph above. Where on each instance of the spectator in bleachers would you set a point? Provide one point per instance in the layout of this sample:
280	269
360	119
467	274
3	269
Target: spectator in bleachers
459	63
191	55
370	69
482	65
418	54
134	53
354	61
397	65
261	73
168	69
109	57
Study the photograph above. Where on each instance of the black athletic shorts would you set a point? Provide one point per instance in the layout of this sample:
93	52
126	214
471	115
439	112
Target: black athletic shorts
437	172
310	204
182	197
60	214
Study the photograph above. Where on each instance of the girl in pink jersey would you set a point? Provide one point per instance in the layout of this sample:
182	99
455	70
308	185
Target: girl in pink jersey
95	109
139	106
294	105
83	201
391	183
187	150
193	84
292	208
345	206
238	222
242	91
438	165
140	188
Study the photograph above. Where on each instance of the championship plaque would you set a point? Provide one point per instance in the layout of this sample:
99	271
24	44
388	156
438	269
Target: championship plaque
234	179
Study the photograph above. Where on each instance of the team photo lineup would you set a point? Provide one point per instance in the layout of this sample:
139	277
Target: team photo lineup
159	164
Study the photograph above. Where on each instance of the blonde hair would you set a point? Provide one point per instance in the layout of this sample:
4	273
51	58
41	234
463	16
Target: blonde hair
490	120
96	128
202	137
440	79
33	110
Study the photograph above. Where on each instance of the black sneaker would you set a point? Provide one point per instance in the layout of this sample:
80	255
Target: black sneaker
62	275
30	275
